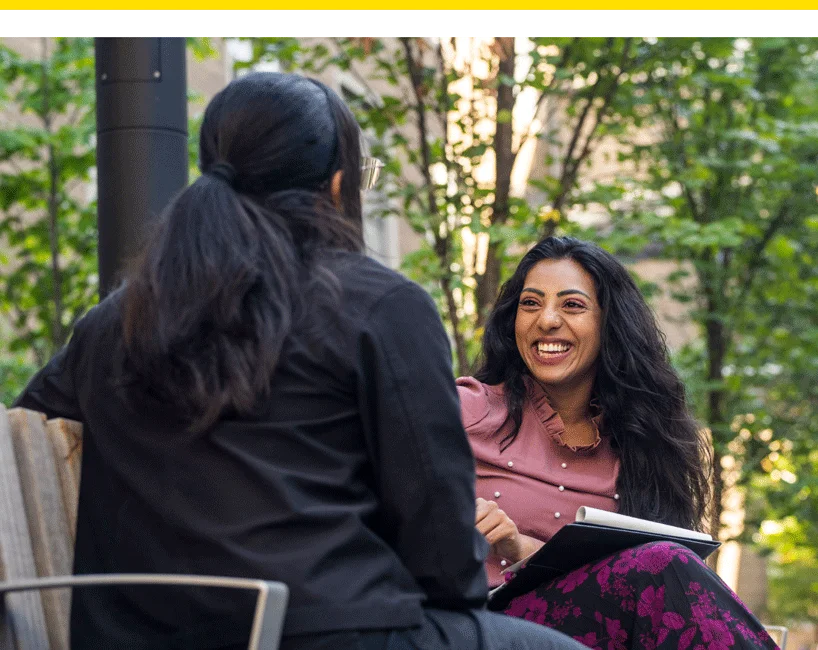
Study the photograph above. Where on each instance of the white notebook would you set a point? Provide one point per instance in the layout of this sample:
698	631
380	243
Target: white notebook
605	518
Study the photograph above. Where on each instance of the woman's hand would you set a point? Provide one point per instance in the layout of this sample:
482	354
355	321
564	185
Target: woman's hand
501	532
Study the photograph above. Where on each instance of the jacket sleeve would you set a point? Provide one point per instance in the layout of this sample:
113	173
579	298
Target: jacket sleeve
423	465
53	390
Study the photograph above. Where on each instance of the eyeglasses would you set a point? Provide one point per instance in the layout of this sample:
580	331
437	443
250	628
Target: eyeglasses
370	170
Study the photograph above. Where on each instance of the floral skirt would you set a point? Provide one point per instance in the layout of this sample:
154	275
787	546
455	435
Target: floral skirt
659	595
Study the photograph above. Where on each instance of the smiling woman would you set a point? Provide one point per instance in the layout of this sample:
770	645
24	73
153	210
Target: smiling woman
557	330
576	404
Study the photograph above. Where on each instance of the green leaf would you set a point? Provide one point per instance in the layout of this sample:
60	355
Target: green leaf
503	116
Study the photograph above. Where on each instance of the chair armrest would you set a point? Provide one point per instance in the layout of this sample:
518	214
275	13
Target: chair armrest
271	604
779	634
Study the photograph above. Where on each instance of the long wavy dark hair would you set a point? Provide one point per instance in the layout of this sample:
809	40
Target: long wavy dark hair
664	458
235	262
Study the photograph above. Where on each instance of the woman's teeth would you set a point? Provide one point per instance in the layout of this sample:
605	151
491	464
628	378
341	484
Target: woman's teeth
553	348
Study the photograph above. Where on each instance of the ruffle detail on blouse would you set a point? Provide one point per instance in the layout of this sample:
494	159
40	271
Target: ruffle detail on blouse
552	422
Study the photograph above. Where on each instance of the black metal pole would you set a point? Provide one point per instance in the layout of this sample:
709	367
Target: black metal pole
142	158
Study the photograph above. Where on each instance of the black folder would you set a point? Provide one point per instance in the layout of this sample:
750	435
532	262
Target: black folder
577	544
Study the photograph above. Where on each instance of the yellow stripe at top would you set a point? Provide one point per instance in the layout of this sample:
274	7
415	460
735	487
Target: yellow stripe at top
425	5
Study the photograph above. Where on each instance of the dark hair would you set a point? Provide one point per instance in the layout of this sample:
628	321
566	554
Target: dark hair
664	457
235	261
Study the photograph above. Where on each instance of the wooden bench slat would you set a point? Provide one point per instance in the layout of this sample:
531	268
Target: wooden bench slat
66	442
26	623
48	525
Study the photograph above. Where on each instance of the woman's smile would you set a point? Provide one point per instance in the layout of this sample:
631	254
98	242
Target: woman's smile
552	352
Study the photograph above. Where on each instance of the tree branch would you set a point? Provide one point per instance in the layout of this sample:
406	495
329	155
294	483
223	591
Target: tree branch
568	179
420	111
564	55
677	135
354	72
444	106
503	154
755	260
441	241
57	330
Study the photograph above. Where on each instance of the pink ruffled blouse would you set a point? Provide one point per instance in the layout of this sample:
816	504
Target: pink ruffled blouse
538	480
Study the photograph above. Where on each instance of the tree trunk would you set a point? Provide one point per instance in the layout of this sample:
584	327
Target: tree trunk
454	320
716	350
488	284
58	333
715	515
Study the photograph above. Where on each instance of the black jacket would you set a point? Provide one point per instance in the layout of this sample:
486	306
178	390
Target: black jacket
354	485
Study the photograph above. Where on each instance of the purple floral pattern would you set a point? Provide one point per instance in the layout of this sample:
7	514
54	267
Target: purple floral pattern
656	596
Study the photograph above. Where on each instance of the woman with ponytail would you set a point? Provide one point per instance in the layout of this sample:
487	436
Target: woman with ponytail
261	400
576	404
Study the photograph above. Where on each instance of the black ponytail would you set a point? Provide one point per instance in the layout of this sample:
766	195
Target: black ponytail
236	259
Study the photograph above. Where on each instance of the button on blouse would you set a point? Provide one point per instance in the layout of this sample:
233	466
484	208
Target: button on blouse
542	480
